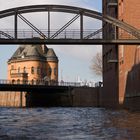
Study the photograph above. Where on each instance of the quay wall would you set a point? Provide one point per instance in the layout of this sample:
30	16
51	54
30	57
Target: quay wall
12	99
85	97
132	103
74	97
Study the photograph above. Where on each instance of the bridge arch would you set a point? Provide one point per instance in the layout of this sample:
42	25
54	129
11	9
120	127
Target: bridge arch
80	12
51	8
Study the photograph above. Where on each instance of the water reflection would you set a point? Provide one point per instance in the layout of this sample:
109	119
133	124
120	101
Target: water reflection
68	124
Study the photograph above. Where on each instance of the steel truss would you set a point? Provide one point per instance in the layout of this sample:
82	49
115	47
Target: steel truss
48	38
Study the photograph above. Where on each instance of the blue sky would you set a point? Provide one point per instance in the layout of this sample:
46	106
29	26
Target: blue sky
74	61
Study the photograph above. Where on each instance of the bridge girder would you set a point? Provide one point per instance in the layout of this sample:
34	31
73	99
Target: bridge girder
71	41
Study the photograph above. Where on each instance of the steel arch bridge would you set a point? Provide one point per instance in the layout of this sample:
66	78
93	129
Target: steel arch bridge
119	28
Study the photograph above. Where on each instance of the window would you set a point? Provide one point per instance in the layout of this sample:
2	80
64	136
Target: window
38	70
18	69
121	62
50	71
55	71
12	67
32	81
18	81
37	82
13	81
32	70
24	70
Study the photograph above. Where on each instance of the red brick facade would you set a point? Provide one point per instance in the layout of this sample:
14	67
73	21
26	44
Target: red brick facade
33	63
123	58
30	64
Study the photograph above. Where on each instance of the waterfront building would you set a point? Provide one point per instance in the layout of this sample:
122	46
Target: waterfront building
119	61
32	64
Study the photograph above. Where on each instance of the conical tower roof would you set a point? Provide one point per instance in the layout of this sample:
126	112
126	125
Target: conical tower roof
51	56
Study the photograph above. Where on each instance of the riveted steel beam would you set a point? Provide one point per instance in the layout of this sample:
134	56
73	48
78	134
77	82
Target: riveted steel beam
6	35
32	26
71	41
65	26
93	34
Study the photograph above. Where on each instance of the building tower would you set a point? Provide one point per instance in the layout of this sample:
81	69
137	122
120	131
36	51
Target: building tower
118	60
33	63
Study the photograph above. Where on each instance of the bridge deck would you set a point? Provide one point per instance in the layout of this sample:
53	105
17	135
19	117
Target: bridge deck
71	41
32	88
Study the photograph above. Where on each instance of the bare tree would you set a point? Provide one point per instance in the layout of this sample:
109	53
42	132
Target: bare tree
96	65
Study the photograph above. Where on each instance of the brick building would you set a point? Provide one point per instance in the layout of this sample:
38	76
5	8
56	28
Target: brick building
33	63
118	61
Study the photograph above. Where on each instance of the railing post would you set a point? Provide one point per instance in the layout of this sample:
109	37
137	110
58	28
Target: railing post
48	24
115	32
81	26
16	23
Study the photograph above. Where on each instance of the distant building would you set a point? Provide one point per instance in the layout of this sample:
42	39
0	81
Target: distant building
119	60
33	63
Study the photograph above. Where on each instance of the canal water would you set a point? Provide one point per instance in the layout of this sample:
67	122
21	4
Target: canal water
68	124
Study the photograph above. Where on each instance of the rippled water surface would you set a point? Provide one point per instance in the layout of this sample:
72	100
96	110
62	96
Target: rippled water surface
68	124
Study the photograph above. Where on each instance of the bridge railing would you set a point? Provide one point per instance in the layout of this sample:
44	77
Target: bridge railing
66	34
47	83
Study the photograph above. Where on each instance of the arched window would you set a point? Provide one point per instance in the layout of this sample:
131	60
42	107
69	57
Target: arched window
18	81
50	71
13	81
32	81
24	70
18	69
32	70
38	70
12	67
55	71
37	82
